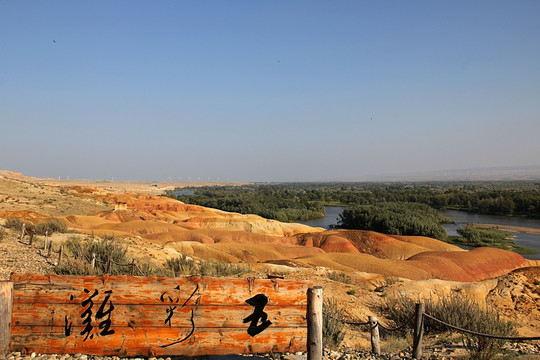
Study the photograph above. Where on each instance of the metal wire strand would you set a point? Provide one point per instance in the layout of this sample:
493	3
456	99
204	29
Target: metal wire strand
480	334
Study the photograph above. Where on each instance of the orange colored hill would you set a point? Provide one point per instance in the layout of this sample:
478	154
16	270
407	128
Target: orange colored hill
373	243
209	233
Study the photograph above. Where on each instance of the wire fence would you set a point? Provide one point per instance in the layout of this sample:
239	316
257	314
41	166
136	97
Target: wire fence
48	249
419	317
470	332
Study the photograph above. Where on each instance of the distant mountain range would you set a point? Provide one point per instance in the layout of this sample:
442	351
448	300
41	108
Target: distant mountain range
503	173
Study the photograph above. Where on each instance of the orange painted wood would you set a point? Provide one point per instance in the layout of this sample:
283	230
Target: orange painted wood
212	316
148	342
133	316
39	289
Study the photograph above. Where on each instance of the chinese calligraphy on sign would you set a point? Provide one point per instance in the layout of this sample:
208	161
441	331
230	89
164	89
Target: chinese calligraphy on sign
167	297
102	316
155	316
258	319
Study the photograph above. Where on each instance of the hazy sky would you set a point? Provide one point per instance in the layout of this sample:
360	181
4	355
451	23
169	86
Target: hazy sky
267	90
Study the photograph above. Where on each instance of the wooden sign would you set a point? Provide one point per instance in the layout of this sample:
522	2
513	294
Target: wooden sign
137	316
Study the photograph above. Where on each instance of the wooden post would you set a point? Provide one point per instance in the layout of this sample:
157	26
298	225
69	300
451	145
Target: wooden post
93	261
60	254
418	331
375	340
32	239
315	323
6	305
133	267
50	249
46	240
22	231
108	266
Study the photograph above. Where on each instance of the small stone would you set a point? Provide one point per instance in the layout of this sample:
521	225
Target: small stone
33	355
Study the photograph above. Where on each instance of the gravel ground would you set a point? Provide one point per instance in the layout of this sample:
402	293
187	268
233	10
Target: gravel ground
19	257
515	350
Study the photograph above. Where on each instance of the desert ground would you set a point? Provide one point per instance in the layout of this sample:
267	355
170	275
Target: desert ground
376	266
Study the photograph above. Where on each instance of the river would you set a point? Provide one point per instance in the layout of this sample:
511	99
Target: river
461	218
331	217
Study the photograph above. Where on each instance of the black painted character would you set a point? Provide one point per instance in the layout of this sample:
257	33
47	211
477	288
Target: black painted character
105	325
259	301
87	314
170	312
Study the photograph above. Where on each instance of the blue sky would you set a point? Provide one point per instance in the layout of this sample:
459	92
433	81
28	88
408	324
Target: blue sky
267	90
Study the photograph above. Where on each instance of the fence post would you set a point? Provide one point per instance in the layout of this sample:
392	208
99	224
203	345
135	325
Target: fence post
6	304
22	231
108	265
60	254
418	331
46	239
93	261
315	323
31	239
50	249
133	267
375	340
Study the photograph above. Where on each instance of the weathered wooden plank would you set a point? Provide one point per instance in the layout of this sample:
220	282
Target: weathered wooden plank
156	315
146	342
137	290
131	316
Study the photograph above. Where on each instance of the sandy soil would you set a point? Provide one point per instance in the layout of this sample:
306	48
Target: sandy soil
144	187
514	229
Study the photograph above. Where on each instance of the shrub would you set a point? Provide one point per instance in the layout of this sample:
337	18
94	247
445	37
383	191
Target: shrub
50	226
147	268
460	311
340	277
103	249
74	267
14	223
333	328
221	269
182	265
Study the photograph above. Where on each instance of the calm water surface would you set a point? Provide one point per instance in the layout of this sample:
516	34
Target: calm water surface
527	240
331	217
